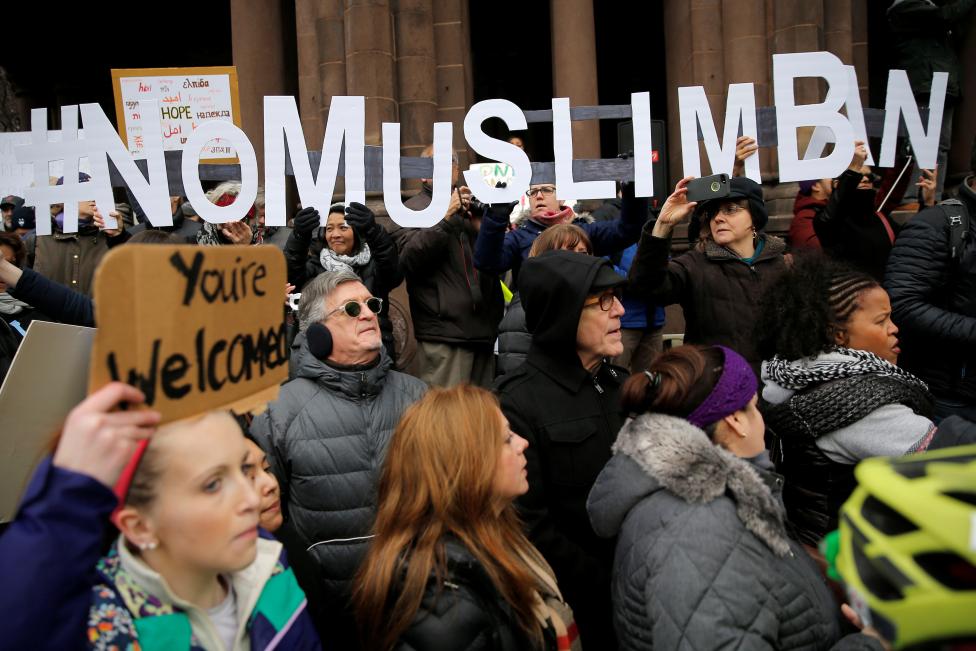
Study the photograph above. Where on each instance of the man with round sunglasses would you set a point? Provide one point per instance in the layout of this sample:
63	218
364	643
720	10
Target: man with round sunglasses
326	437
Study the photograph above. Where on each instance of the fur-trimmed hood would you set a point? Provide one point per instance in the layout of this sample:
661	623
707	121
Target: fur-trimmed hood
656	453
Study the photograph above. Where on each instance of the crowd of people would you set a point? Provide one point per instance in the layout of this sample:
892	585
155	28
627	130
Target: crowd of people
796	474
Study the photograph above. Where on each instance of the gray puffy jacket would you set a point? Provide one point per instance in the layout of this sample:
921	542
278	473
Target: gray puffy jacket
703	560
325	438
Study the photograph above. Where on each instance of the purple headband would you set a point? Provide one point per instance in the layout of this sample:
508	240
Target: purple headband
733	391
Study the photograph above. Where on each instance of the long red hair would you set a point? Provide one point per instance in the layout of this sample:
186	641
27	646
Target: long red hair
438	480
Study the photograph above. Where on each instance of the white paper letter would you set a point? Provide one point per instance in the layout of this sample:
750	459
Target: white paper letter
640	111
900	101
153	195
204	133
822	136
562	149
443	159
497	150
347	120
693	110
789	116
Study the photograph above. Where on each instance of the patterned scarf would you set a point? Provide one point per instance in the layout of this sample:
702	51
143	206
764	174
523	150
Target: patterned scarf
792	375
332	261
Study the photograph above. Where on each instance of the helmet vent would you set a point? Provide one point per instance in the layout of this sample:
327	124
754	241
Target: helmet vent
885	519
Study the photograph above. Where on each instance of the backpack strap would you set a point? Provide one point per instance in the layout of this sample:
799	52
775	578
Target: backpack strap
957	219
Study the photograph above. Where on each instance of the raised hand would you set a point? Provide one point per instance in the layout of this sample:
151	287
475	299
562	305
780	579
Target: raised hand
305	223
237	232
675	209
97	440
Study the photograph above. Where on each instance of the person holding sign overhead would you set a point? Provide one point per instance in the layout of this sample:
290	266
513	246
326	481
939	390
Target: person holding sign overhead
326	436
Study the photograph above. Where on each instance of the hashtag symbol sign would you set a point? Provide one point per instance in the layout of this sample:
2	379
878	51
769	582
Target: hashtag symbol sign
40	153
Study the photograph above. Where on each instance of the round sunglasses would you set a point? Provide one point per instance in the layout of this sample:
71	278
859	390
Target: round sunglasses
355	308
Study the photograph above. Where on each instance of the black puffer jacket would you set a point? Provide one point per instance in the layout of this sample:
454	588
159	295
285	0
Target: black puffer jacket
450	301
933	302
326	437
380	275
703	559
718	292
514	339
465	612
570	418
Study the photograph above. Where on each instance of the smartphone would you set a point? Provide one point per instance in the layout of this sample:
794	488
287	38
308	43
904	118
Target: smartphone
706	188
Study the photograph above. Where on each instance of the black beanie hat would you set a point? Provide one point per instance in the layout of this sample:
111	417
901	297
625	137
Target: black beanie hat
740	187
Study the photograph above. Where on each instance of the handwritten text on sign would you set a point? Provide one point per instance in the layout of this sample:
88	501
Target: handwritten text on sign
208	334
175	102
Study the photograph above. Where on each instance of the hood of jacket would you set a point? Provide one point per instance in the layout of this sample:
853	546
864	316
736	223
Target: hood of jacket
553	287
654	452
358	383
807	202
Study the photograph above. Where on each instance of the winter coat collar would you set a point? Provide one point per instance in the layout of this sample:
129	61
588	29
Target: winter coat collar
774	248
353	384
568	372
146	593
671	454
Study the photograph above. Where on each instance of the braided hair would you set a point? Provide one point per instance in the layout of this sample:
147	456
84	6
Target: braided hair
804	310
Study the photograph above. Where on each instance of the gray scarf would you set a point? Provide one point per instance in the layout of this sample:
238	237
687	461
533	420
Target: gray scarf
797	376
332	261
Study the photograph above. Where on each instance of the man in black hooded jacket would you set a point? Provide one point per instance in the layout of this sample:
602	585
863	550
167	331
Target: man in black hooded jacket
565	401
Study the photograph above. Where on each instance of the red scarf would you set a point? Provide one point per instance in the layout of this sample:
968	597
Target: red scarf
549	218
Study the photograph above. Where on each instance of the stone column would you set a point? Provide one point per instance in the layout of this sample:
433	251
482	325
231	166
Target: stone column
746	55
679	71
331	51
416	63
574	67
370	69
258	53
309	88
798	27
859	46
452	49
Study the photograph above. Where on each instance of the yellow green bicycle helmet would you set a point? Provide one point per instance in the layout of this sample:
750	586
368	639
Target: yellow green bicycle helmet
907	549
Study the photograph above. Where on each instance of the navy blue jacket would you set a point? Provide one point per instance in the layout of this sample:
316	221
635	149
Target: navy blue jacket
48	557
496	251
54	299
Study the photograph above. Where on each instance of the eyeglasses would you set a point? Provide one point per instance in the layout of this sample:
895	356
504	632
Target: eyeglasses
604	300
730	209
355	308
545	189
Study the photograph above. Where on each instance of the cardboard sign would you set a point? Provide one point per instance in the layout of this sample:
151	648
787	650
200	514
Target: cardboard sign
47	379
194	328
184	98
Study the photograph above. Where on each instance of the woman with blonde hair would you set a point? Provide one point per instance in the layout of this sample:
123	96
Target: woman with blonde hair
449	563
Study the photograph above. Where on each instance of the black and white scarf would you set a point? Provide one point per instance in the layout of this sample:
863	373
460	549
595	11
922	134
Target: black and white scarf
332	261
798	375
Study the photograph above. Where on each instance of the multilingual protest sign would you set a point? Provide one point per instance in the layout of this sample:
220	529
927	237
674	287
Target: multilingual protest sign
184	98
194	328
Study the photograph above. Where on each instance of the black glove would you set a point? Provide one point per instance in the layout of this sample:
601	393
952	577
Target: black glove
306	221
362	219
500	212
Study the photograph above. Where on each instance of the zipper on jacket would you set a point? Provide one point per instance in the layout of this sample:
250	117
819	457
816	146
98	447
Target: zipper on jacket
362	385
596	385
